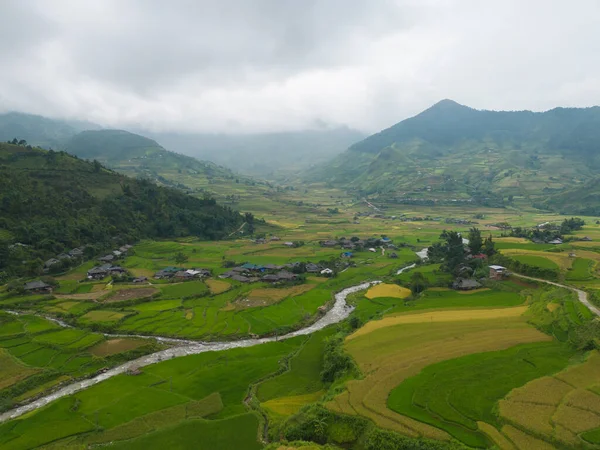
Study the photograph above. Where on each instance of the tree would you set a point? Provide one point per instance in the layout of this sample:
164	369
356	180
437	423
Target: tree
454	251
249	219
418	283
180	258
97	166
489	248
475	241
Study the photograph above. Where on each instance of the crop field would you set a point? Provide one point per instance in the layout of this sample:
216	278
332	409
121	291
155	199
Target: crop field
387	290
441	299
154	397
113	346
12	370
581	270
454	395
561	260
536	261
101	316
217	286
392	354
565	414
131	294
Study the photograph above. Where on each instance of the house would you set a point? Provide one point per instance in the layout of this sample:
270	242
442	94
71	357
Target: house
586	238
107	258
270	278
556	241
37	287
288	244
275	238
394	255
97	273
76	252
183	275
286	276
346	255
329	243
228	274
167	272
327	272
372	250
51	262
240	278
312	268
465	284
348	246
273	267
498	272
252	267
572	255
140	280
260	241
481	256
117	253
116	270
63	257
386	240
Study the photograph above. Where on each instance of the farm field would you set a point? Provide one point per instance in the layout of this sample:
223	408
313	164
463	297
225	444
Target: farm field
451	366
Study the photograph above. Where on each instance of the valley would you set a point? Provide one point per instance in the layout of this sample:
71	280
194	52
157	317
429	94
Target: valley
301	314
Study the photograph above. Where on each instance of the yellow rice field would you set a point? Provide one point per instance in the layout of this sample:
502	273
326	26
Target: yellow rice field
387	290
387	355
217	286
287	406
439	316
499	439
560	407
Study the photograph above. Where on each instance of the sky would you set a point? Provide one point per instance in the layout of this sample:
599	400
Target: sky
244	66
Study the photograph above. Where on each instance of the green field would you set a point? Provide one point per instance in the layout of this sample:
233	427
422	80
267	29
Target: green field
536	261
454	395
581	270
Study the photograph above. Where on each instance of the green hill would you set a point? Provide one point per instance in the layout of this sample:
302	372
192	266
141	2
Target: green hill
452	153
52	202
40	131
140	156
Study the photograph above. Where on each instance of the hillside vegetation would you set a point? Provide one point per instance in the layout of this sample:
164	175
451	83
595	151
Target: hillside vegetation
51	202
452	153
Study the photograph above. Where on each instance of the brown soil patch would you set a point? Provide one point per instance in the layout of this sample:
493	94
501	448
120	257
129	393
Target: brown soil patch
267	296
86	296
114	346
217	286
131	294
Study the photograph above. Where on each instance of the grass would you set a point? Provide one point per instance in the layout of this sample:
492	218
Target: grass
454	395
187	289
288	406
114	346
102	316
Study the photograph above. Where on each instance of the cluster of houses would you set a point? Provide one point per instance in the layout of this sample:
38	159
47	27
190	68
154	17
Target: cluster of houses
181	274
37	287
497	273
273	273
107	268
73	255
289	244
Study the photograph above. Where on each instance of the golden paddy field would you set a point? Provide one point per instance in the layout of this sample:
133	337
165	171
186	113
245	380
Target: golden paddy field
387	290
398	347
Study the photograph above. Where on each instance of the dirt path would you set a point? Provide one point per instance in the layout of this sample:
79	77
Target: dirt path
581	295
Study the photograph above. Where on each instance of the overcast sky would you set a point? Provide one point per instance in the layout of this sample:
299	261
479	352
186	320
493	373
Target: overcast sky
276	65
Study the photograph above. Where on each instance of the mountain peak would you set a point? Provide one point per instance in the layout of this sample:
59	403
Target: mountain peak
447	104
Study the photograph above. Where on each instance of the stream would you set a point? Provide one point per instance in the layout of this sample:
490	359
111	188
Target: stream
340	311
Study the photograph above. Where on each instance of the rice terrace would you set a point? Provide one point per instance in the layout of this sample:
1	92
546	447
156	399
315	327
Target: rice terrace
237	232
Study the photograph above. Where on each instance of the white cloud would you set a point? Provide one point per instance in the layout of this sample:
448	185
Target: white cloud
273	65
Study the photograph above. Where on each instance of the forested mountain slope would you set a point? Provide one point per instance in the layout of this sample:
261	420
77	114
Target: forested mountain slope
453	153
51	202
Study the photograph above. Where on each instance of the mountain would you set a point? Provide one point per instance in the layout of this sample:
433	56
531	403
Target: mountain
140	156
52	202
40	131
452	153
265	155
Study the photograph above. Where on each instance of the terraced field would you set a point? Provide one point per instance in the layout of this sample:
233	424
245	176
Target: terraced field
389	355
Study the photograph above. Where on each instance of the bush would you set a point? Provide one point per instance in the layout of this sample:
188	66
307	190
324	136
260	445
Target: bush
336	362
